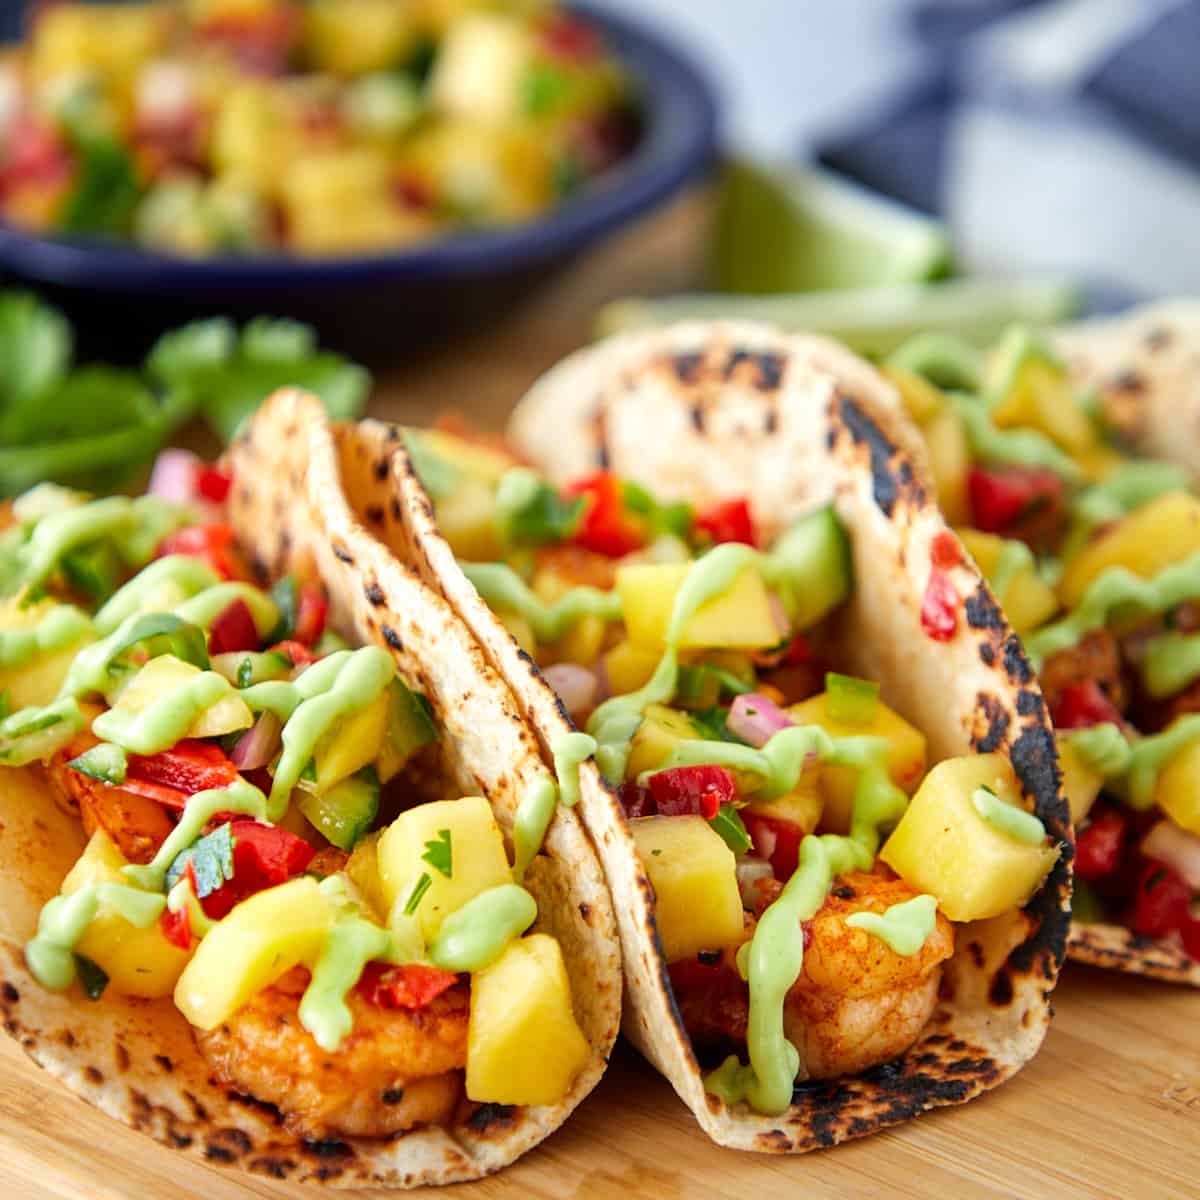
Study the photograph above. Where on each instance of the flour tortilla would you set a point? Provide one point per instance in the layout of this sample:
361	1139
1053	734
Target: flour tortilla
1145	367
716	410
136	1059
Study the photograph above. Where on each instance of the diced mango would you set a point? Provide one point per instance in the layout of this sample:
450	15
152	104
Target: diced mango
36	682
1081	785
661	730
922	400
628	666
905	759
467	519
949	460
109	40
1178	790
252	137
352	37
694	873
520	628
362	868
351	744
138	962
262	939
1027	599
480	67
944	847
486	463
478	857
582	642
1153	537
161	676
523	1043
740	618
801	807
1039	394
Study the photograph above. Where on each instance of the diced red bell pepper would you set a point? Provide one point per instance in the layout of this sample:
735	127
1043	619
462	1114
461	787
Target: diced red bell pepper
1083	704
410	985
1099	848
212	483
190	766
312	607
295	651
939	606
263	857
606	526
729	521
692	791
37	154
799	651
692	975
177	926
1162	900
213	544
636	801
1002	498
776	840
570	39
233	629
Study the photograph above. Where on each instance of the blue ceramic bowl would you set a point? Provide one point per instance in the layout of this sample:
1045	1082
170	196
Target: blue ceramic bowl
372	306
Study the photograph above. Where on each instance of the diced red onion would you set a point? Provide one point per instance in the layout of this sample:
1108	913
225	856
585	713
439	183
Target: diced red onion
750	872
755	718
174	476
1177	848
779	615
259	744
576	686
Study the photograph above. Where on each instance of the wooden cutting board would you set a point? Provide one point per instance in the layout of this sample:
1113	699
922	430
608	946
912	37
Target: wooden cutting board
1110	1108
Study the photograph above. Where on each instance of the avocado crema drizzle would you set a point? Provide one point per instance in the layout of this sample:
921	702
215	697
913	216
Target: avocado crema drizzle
329	691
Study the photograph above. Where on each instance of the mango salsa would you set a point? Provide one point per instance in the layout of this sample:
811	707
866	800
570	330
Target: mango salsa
629	666
467	519
582	642
352	37
944	847
351	744
949	460
262	939
740	618
1165	531
905	759
1039	394
478	857
1178	790
138	962
661	730
161	676
802	807
698	905
523	1043
1081	785
1027	600
36	682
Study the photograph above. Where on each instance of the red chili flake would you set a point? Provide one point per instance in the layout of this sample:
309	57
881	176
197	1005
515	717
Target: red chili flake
939	607
945	551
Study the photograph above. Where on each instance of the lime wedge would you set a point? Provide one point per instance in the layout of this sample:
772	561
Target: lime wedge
802	229
873	321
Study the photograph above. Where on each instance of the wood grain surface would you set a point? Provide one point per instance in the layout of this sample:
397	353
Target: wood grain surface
1110	1108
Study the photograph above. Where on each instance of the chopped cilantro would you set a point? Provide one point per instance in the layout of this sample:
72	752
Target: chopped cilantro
422	885
710	723
245	673
439	854
212	861
92	977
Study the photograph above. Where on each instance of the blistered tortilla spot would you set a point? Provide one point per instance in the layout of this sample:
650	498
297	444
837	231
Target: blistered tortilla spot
774	1141
122	1056
994	718
374	514
93	1075
1016	664
272	1166
199	1112
10	994
975	950
391	637
987	654
863	431
982	610
165	1063
374	593
1000	991
1030	703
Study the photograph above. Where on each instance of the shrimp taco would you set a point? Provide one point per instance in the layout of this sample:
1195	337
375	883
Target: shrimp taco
260	792
824	786
1043	454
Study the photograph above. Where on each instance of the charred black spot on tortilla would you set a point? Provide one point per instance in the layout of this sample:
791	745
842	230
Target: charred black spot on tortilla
1015	662
11	995
93	1075
198	1109
773	1141
216	1153
488	1115
987	652
396	509
585	911
997	724
687	366
1129	381
844	891
263	1106
975	950
393	1095
181	1141
771	421
326	1147
375	514
768	367
1036	764
67	1038
982	610
122	1057
374	594
235	1137
982	1067
1029	702
381	469
696	412
276	1168
1000	993
864	431
342	554
391	637
1159	337
165	1063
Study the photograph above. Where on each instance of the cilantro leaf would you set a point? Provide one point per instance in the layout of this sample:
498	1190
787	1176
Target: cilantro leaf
710	723
423	884
92	977
529	511
211	857
439	854
35	355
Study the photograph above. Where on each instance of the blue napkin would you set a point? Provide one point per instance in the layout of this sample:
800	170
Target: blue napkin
1051	135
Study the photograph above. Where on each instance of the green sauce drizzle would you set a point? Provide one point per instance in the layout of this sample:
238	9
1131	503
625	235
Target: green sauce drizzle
475	935
1171	662
63	626
571	751
182	897
1134	768
205	607
1021	447
1112	590
533	817
1008	819
161	724
175	577
905	927
501	587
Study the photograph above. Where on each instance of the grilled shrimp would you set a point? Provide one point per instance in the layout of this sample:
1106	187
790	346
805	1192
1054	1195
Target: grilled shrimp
857	1002
396	1069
